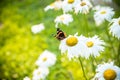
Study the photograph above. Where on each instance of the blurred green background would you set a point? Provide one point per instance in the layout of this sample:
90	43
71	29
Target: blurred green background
20	48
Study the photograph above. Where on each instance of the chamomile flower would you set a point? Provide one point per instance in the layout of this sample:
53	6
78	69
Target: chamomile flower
72	45
104	13
46	59
115	27
68	5
26	78
83	7
64	19
93	46
40	73
37	28
55	5
107	71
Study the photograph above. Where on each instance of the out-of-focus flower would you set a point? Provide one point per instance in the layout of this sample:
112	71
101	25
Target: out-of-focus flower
40	73
55	5
93	46
107	1
46	59
102	14
37	28
72	45
65	19
102	2
26	78
107	71
68	5
83	7
115	27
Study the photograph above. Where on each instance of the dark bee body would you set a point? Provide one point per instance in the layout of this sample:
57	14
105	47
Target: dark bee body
60	34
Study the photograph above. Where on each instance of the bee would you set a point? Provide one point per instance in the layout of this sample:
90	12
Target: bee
60	34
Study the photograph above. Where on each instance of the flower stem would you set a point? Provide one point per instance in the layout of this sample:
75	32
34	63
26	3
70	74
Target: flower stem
71	76
95	60
86	25
82	68
119	55
111	43
92	62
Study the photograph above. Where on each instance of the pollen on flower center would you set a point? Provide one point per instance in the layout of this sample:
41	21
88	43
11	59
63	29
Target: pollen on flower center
83	4
70	1
103	12
39	73
44	59
61	18
71	41
52	4
109	74
90	44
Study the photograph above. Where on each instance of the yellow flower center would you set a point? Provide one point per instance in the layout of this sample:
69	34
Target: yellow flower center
109	74
70	1
103	12
62	18
52	4
90	44
39	73
83	4
44	59
71	41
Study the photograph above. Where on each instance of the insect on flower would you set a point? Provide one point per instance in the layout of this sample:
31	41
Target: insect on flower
60	34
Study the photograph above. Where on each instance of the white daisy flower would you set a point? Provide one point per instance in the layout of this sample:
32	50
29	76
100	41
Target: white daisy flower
65	19
104	13
26	78
68	5
115	27
107	71
93	46
37	28
46	59
55	5
72	45
40	73
83	7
